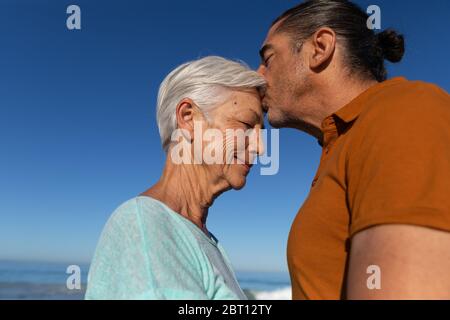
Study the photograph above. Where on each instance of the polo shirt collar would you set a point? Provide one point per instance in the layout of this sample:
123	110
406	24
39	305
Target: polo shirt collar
352	110
335	124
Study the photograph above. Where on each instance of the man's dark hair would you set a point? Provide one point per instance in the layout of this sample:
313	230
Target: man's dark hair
365	49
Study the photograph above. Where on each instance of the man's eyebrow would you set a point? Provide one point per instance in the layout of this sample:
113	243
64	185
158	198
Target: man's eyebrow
263	50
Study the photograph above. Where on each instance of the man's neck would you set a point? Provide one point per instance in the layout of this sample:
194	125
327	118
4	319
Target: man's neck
329	97
337	94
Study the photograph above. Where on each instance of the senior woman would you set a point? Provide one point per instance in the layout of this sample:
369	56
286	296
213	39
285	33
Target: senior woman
157	245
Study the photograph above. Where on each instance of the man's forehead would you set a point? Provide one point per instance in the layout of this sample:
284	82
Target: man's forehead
273	36
273	29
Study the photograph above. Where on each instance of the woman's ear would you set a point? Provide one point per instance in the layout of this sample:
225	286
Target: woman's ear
185	113
324	44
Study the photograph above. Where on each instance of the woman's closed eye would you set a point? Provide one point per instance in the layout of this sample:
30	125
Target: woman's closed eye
248	125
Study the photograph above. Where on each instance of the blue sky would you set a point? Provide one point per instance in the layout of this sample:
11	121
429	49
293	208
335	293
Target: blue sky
77	117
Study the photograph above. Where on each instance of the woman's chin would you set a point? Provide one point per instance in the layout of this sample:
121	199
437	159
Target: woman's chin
237	183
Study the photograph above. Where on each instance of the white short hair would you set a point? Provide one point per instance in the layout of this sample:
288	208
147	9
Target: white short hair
208	82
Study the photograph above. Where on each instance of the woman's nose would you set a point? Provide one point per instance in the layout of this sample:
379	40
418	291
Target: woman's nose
257	143
260	146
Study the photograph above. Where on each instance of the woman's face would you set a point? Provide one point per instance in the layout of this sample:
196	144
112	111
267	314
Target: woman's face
239	120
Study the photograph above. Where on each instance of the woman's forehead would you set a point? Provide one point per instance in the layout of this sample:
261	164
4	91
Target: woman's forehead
246	103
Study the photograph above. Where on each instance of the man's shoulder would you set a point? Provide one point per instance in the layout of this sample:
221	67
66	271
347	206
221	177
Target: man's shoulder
405	101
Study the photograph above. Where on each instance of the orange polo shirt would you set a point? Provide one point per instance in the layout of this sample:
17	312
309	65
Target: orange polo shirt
385	160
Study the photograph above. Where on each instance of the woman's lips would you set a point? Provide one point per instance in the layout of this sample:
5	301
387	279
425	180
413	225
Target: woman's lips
248	166
264	104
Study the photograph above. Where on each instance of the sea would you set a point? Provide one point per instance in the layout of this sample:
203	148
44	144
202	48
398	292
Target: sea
25	280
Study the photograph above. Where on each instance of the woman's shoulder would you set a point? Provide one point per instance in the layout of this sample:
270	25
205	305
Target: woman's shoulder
142	226
138	210
151	219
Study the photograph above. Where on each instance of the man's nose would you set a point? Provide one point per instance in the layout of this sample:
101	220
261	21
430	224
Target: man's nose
260	70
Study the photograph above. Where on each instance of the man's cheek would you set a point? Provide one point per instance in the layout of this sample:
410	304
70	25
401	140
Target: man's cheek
277	76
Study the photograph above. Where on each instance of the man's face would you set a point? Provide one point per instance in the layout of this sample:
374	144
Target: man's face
283	68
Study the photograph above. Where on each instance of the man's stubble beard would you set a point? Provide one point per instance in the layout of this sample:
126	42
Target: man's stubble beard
296	120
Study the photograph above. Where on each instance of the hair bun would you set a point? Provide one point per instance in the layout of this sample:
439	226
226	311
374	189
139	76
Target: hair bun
392	44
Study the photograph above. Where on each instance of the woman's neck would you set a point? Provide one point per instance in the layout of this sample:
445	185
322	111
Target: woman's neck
189	190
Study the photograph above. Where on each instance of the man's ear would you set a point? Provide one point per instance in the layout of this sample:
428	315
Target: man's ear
324	43
185	113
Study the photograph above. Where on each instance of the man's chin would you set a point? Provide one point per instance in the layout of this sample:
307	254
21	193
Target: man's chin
275	121
283	122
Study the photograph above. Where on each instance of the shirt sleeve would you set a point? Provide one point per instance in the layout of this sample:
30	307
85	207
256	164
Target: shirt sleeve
399	173
132	262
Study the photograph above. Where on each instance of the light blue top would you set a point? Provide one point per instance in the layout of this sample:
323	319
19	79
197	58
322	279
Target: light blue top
148	251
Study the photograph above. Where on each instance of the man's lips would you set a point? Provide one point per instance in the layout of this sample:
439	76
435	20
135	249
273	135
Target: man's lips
264	105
